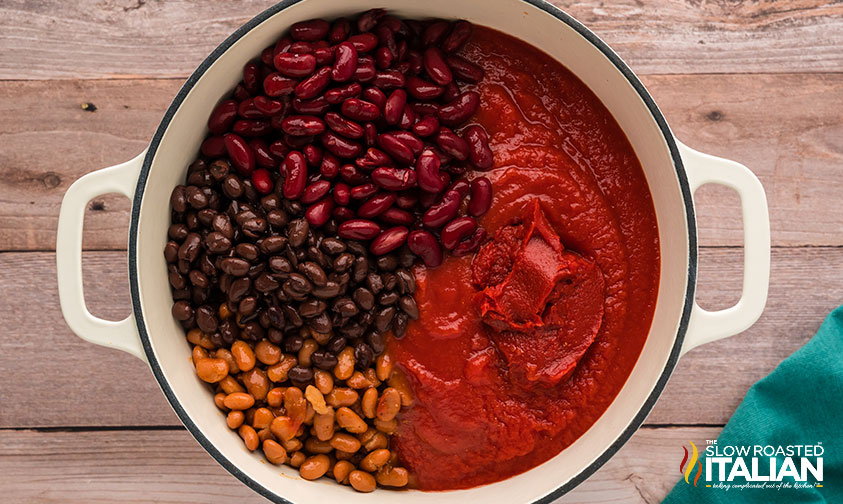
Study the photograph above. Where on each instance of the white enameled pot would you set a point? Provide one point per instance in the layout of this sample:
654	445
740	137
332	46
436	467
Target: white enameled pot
673	172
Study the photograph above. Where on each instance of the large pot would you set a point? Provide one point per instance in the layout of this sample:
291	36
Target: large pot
673	172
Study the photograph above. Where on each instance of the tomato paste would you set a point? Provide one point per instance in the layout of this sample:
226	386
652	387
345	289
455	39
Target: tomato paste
519	349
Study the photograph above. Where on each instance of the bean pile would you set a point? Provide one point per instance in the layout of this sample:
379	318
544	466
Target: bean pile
290	253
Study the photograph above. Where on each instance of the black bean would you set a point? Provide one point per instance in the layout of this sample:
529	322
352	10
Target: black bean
406	282
300	374
408	305
235	266
189	250
383	318
181	294
390	281
275	316
247	306
377	341
387	262
275	336
366	318
199	295
177	232
364	298
364	356
252	331
254	227
312	308
357	248
280	264
360	269
388	298
374	282
292	316
399	325
198	279
277	218
263	319
219	169
183	266
247	251
222	225
239	288
336	344
319	257
217	243
171	252
206	319
270	202
299	284
178	201
206	216
229	331
297	232
293	343
345	307
266	283
293	207
273	244
333	246
232	186
323	360
195	197
314	273
177	280
321	323
343	262
405	257
182	310
331	289
191	220
352	330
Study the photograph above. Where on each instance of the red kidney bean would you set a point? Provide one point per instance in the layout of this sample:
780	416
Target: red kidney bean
339	94
240	93
363	191
394	179
358	229
389	240
457	169
369	19
251	76
283	45
445	159
213	147
479	153
301	47
376	205
276	84
342	214
279	149
359	110
394	106
342	194
410	140
470	244
312	154
397	216
456	230
408	118
324	55
267	55
415	60
222	117
339	146
427	199
345	62
350	174
463	69
459	110
313	85
426	126
318	214
315	191
310	31
481	196
343	126
249	128
452	144
247	109
395	25
387	39
375	96
240	153
444	211
406	200
435	66
434	33
316	106
445	179
295	169
383	58
395	148
330	166
340	30
421	89
370	133
427	170
458	37
268	106
365	70
451	93
297	142
263	157
302	125
262	181
424	245
373	158
424	109
389	79
364	42
294	65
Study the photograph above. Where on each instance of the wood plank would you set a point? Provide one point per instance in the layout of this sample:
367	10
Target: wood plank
786	128
105	467
91	386
95	39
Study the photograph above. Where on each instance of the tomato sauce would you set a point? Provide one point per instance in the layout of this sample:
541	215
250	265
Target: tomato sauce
506	376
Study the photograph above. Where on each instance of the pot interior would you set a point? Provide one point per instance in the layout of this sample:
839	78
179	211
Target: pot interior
178	140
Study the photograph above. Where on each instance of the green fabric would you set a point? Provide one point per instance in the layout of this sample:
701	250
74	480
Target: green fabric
800	402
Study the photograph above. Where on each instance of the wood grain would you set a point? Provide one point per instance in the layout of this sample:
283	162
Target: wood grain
94	39
787	128
53	379
169	466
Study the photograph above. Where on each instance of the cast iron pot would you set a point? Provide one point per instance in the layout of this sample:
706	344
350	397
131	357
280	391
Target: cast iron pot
673	172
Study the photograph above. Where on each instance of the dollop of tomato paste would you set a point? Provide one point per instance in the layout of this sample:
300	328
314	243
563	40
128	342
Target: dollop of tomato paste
544	303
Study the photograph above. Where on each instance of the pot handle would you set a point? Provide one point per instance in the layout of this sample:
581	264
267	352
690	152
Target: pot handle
707	326
123	334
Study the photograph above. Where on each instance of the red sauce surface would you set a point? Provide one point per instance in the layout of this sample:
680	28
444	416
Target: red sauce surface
496	398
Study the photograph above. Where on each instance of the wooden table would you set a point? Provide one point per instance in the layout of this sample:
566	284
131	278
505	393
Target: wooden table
758	82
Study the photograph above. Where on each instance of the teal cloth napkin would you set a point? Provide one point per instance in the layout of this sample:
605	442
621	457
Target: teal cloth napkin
799	403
